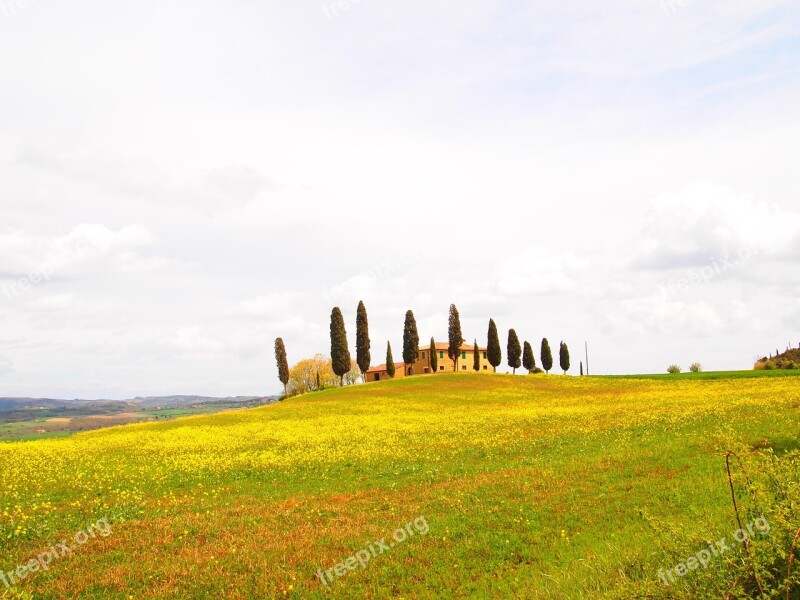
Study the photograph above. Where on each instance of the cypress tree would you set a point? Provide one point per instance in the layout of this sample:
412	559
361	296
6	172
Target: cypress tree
410	341
514	351
494	354
389	360
547	356
527	357
476	357
454	336
581	368
434	358
363	357
283	365
563	357
340	353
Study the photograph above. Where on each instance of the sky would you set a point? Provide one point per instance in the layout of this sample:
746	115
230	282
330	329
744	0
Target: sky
183	182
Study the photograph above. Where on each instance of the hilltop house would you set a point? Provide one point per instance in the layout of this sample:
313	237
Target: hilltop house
423	364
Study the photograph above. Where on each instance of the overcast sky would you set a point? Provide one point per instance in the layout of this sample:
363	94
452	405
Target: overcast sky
181	182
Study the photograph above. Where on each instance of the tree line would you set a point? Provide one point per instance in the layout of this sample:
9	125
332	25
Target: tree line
343	367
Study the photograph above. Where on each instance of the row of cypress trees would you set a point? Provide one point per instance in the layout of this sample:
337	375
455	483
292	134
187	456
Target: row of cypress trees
518	356
522	356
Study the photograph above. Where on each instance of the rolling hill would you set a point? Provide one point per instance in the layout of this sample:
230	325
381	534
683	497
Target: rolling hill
536	487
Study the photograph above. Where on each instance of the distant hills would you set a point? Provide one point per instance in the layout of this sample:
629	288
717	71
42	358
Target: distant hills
137	403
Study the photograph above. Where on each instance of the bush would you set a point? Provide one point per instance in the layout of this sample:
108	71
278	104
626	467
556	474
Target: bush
769	366
536	371
674	369
789	364
696	367
766	485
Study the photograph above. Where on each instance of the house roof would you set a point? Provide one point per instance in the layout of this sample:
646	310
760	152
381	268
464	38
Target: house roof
382	368
445	346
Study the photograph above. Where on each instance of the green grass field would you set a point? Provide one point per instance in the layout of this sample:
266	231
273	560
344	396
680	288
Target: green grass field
713	375
529	486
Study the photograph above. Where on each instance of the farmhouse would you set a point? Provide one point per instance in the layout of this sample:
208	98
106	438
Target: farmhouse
444	363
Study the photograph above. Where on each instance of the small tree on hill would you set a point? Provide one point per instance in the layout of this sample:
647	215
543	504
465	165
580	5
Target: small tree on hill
363	357
493	352
527	357
514	351
410	341
434	357
340	353
283	365
581	368
563	357
546	356
389	360
454	336
476	357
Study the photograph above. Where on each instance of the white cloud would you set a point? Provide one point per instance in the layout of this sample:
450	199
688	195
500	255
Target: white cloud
706	221
6	366
144	178
536	271
659	315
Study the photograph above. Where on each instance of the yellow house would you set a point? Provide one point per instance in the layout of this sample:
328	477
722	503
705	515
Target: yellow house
444	363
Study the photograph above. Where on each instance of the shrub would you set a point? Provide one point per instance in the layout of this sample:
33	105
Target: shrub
769	366
789	364
766	485
536	371
674	369
696	367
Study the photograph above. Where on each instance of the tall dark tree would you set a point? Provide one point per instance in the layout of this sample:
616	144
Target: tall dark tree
493	351
389	360
581	368
476	357
434	358
410	341
283	365
563	357
363	357
527	357
547	356
454	336
514	351
340	353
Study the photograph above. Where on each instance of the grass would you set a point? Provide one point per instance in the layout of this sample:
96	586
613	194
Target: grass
703	375
536	487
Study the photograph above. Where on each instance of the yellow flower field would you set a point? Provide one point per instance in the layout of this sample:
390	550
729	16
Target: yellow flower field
534	487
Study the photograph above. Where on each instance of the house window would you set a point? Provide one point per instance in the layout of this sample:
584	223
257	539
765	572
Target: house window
423	355
377	376
441	368
463	367
427	370
484	357
484	367
441	354
464	355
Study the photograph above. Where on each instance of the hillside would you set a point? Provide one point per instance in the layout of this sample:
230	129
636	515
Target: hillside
536	487
790	359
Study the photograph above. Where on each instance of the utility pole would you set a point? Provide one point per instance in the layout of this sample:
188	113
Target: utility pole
586	344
